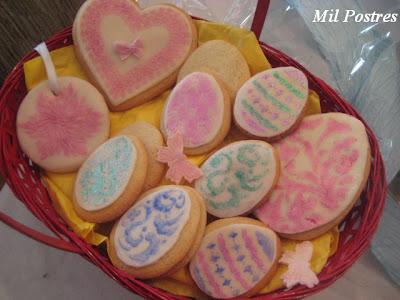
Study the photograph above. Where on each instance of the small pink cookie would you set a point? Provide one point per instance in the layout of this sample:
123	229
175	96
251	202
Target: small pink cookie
179	166
199	108
236	258
324	167
132	55
272	103
58	132
299	270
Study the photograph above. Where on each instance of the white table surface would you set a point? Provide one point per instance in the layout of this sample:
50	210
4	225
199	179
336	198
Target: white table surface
30	270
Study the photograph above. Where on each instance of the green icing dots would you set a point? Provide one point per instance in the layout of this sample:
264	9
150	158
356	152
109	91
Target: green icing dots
265	122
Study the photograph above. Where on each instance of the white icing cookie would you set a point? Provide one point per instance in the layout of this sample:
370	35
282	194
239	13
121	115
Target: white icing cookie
233	259
147	231
324	167
271	103
238	177
58	132
200	110
104	176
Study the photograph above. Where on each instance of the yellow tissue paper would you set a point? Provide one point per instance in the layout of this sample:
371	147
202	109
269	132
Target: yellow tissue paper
66	64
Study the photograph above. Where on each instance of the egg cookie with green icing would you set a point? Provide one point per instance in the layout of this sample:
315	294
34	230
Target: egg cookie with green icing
111	179
238	178
272	103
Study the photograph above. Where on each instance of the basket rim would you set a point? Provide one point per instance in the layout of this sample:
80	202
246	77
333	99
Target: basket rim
57	225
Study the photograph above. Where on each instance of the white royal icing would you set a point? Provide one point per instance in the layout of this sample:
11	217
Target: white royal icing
152	226
105	174
237	177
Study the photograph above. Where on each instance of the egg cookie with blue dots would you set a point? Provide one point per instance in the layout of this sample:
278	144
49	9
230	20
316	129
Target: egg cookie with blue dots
111	179
237	258
160	233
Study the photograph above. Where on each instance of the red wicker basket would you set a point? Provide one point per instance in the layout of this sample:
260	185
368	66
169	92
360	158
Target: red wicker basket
24	180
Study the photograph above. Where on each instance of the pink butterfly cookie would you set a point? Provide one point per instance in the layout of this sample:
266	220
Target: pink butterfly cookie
179	166
299	271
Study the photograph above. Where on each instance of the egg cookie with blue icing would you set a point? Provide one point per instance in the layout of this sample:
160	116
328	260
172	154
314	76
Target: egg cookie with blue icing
238	178
152	140
111	179
237	258
160	233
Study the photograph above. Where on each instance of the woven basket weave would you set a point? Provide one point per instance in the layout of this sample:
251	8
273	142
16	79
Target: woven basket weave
24	180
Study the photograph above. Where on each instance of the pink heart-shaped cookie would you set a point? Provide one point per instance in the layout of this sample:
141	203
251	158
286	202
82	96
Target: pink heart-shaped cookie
132	55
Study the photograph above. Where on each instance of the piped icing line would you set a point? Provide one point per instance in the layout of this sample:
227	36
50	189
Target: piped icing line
299	270
258	116
288	85
235	271
248	242
272	99
178	164
152	226
49	66
210	278
265	245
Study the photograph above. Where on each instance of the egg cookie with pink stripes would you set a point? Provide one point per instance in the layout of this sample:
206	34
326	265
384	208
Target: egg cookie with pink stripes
236	258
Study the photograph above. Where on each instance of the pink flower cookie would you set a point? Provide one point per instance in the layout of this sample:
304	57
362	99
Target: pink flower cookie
199	108
132	55
58	132
272	103
236	258
324	167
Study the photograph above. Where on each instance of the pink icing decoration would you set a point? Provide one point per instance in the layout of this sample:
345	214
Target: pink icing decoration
253	124
310	197
62	124
125	49
253	250
299	271
210	278
117	84
179	166
232	266
194	108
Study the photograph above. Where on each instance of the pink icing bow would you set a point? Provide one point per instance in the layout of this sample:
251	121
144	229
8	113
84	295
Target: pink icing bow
178	165
299	271
125	49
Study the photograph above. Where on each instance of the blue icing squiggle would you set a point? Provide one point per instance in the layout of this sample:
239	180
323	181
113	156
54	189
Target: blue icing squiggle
106	173
151	227
266	245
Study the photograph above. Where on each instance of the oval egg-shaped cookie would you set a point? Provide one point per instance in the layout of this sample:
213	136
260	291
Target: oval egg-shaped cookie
238	177
199	108
272	103
237	258
160	233
324	167
111	179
